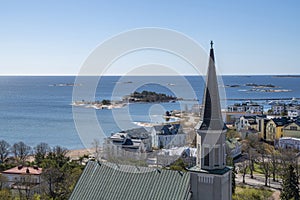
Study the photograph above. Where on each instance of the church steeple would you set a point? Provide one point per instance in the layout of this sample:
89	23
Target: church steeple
210	179
212	117
211	133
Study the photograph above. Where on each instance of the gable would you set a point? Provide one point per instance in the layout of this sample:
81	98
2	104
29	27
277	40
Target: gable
291	126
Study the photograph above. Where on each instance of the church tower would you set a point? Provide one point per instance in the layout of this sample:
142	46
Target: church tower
211	178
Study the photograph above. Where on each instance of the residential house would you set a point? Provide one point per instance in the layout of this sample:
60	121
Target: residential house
274	128
24	179
167	136
262	121
130	143
246	123
293	110
292	129
278	108
289	142
248	107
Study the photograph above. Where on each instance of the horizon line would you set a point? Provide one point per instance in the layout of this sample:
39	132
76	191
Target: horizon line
1	75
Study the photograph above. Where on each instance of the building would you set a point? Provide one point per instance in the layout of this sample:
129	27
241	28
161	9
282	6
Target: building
113	181
166	157
131	143
292	129
274	128
167	136
293	112
246	123
262	121
246	107
278	108
25	179
289	142
211	178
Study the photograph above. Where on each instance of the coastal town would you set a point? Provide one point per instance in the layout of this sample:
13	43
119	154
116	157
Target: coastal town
150	100
207	153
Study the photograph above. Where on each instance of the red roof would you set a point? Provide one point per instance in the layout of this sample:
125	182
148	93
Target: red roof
23	170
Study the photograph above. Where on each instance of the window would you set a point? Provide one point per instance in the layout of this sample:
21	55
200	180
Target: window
293	128
206	156
217	155
224	154
198	152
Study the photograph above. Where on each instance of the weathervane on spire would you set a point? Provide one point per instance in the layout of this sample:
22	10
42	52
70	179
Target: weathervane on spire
211	44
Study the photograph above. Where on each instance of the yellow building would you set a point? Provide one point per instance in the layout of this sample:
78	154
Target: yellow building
274	128
292	130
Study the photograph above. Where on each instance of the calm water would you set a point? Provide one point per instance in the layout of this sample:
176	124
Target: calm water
33	111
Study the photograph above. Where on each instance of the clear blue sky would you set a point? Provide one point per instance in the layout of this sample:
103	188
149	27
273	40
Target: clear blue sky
55	37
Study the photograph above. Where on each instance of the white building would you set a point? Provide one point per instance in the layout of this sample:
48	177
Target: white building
248	107
278	109
289	142
167	136
130	143
293	113
246	122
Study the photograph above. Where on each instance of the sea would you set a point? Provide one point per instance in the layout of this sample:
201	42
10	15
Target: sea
38	109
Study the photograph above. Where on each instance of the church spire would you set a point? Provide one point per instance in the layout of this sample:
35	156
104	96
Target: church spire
210	178
212	117
211	133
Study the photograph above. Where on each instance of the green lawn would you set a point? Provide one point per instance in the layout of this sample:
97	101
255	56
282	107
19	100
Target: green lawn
248	193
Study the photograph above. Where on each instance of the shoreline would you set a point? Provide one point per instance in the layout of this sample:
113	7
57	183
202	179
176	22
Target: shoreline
76	153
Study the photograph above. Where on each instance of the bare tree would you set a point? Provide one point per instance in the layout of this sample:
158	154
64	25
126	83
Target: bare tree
40	151
243	167
248	148
97	149
289	157
21	151
58	154
265	165
60	151
275	155
4	150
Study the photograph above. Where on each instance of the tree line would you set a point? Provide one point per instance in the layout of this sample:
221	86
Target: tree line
59	174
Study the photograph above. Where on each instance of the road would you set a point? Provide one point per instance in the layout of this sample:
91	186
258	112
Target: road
259	181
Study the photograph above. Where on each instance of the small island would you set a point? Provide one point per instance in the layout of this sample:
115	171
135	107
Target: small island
148	96
65	85
254	85
136	97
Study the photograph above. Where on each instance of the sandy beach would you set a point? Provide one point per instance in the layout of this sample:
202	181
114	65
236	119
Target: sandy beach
76	153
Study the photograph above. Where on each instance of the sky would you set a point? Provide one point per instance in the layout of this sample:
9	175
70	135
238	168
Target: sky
56	37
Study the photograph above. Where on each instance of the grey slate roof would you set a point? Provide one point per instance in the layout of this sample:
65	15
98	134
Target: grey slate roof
111	181
280	121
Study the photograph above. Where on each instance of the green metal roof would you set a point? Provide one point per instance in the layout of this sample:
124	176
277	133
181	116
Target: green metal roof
112	181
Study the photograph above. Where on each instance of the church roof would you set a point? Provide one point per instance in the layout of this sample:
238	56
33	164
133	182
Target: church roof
112	181
212	117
